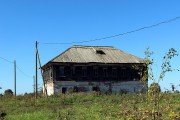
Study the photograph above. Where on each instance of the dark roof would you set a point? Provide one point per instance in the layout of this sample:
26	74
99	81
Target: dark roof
97	54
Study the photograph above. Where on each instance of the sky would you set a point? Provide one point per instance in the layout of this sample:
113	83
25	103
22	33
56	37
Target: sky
22	22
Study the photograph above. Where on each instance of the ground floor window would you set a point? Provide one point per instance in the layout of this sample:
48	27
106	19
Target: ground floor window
64	90
96	89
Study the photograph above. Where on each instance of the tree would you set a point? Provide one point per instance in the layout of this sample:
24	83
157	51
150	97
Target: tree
8	92
154	91
165	66
154	88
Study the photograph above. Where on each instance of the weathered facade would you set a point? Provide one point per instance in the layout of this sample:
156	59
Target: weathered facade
93	68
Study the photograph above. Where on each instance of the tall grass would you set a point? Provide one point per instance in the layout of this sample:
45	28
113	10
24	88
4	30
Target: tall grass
88	106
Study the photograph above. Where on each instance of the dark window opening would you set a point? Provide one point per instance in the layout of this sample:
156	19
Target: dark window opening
109	72
96	72
100	71
64	90
61	71
90	71
100	52
75	89
114	72
67	71
97	89
105	73
78	71
84	72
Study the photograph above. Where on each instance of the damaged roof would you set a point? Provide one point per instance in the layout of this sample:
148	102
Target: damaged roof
95	54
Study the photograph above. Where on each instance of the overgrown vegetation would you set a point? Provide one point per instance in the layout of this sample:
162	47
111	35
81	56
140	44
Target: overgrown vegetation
88	106
154	92
153	105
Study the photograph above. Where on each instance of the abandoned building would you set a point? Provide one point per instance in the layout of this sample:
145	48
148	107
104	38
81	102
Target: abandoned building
93	68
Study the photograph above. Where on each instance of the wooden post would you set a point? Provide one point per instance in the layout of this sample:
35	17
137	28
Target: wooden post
15	78
36	78
34	84
44	86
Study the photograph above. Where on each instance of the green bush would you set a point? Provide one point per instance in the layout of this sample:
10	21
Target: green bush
8	93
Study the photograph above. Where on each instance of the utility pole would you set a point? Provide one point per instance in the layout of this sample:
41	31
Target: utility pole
36	78
15	78
44	86
34	84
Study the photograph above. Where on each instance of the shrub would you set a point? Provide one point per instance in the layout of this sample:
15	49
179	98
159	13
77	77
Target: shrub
154	88
8	93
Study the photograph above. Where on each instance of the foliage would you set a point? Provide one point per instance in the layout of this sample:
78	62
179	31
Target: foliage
165	66
154	94
2	115
154	91
154	88
8	92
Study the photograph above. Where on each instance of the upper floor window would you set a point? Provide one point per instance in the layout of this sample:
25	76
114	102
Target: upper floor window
84	71
61	71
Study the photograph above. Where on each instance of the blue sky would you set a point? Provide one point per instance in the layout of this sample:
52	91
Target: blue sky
23	22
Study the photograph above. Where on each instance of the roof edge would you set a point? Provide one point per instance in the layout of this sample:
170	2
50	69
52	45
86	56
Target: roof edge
81	46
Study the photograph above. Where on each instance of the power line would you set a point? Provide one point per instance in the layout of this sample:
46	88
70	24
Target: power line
16	67
23	72
120	34
6	60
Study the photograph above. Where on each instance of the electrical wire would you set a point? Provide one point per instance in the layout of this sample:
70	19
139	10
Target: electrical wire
16	67
120	34
6	60
23	72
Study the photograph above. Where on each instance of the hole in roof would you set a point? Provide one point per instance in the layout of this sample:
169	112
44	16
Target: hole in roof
100	52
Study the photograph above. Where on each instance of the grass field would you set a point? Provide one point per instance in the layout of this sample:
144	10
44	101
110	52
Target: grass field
90	106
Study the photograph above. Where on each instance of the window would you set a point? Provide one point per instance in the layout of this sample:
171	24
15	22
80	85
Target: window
61	71
114	72
100	52
64	90
84	72
100	71
67	71
109	72
124	73
78	71
95	72
90	71
105	72
96	89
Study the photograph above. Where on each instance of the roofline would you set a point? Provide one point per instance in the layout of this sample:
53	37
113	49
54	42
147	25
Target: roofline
90	46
